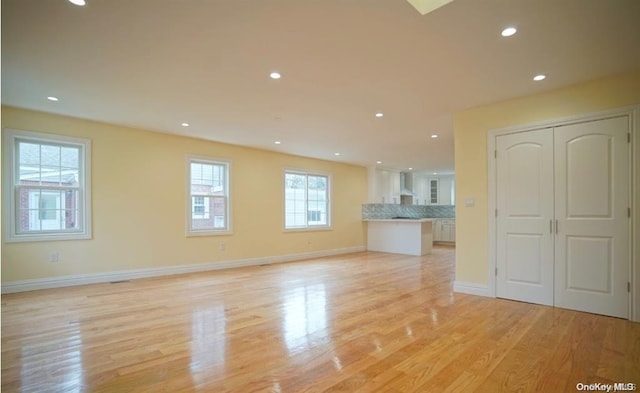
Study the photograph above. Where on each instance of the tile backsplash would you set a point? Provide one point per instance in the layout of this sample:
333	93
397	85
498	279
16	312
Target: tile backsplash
388	210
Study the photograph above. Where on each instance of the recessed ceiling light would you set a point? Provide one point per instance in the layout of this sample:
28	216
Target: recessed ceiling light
410	169
336	154
509	31
52	98
277	142
539	77
378	162
275	75
379	114
78	2
435	173
434	136
184	124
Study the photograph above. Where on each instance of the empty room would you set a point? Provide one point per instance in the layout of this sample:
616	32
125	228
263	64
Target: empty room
320	196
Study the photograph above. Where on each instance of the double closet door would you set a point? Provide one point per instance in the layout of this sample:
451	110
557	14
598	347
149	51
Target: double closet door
563	226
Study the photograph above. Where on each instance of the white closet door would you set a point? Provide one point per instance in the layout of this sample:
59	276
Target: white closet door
525	209
592	198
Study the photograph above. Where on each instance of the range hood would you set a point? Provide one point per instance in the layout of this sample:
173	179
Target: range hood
406	184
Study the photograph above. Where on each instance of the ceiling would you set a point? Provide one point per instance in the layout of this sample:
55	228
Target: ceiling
154	64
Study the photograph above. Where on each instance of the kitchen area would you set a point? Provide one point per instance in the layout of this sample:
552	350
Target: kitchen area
409	211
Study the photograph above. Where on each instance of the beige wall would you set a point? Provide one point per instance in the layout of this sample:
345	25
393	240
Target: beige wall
139	196
470	133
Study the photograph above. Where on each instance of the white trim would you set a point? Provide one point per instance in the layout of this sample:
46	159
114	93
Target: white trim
189	232
563	121
635	215
11	234
471	288
492	206
633	111
95	278
329	176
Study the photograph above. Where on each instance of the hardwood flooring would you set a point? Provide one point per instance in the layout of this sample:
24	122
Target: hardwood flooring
366	322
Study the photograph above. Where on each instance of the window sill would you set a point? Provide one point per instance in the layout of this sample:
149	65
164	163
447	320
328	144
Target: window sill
208	233
308	229
50	237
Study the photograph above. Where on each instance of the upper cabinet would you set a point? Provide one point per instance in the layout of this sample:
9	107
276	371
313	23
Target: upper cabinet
432	189
384	186
387	186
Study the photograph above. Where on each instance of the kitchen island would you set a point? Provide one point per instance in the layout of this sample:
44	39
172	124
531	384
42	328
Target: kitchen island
400	236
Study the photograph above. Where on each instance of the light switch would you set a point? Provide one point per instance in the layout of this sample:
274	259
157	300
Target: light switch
469	202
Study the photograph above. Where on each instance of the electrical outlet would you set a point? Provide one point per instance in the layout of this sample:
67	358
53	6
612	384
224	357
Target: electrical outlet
53	257
222	246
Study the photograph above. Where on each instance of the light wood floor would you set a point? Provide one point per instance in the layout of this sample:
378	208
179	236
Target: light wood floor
358	323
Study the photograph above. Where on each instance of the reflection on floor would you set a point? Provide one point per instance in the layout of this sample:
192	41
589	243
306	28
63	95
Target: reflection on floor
357	322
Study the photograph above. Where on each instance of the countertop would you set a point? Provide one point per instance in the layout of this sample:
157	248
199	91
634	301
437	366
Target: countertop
400	219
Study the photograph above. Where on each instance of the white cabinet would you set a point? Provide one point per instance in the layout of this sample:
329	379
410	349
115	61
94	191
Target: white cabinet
431	189
437	231
384	186
449	230
444	230
420	189
412	237
445	190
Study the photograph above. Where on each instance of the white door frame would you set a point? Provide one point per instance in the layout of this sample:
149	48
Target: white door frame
634	115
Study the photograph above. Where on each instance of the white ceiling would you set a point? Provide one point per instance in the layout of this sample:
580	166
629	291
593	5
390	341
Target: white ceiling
154	64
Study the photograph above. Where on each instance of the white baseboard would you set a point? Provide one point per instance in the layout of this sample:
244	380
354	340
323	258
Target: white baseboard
471	288
95	278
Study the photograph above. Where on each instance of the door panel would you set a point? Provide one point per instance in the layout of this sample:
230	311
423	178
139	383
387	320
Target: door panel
588	162
524	253
589	261
592	197
525	208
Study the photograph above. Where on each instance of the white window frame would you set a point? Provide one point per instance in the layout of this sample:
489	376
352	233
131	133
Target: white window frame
11	179
190	231
306	227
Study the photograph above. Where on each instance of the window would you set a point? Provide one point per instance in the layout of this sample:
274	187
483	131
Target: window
208	211
306	200
200	210
48	179
314	216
